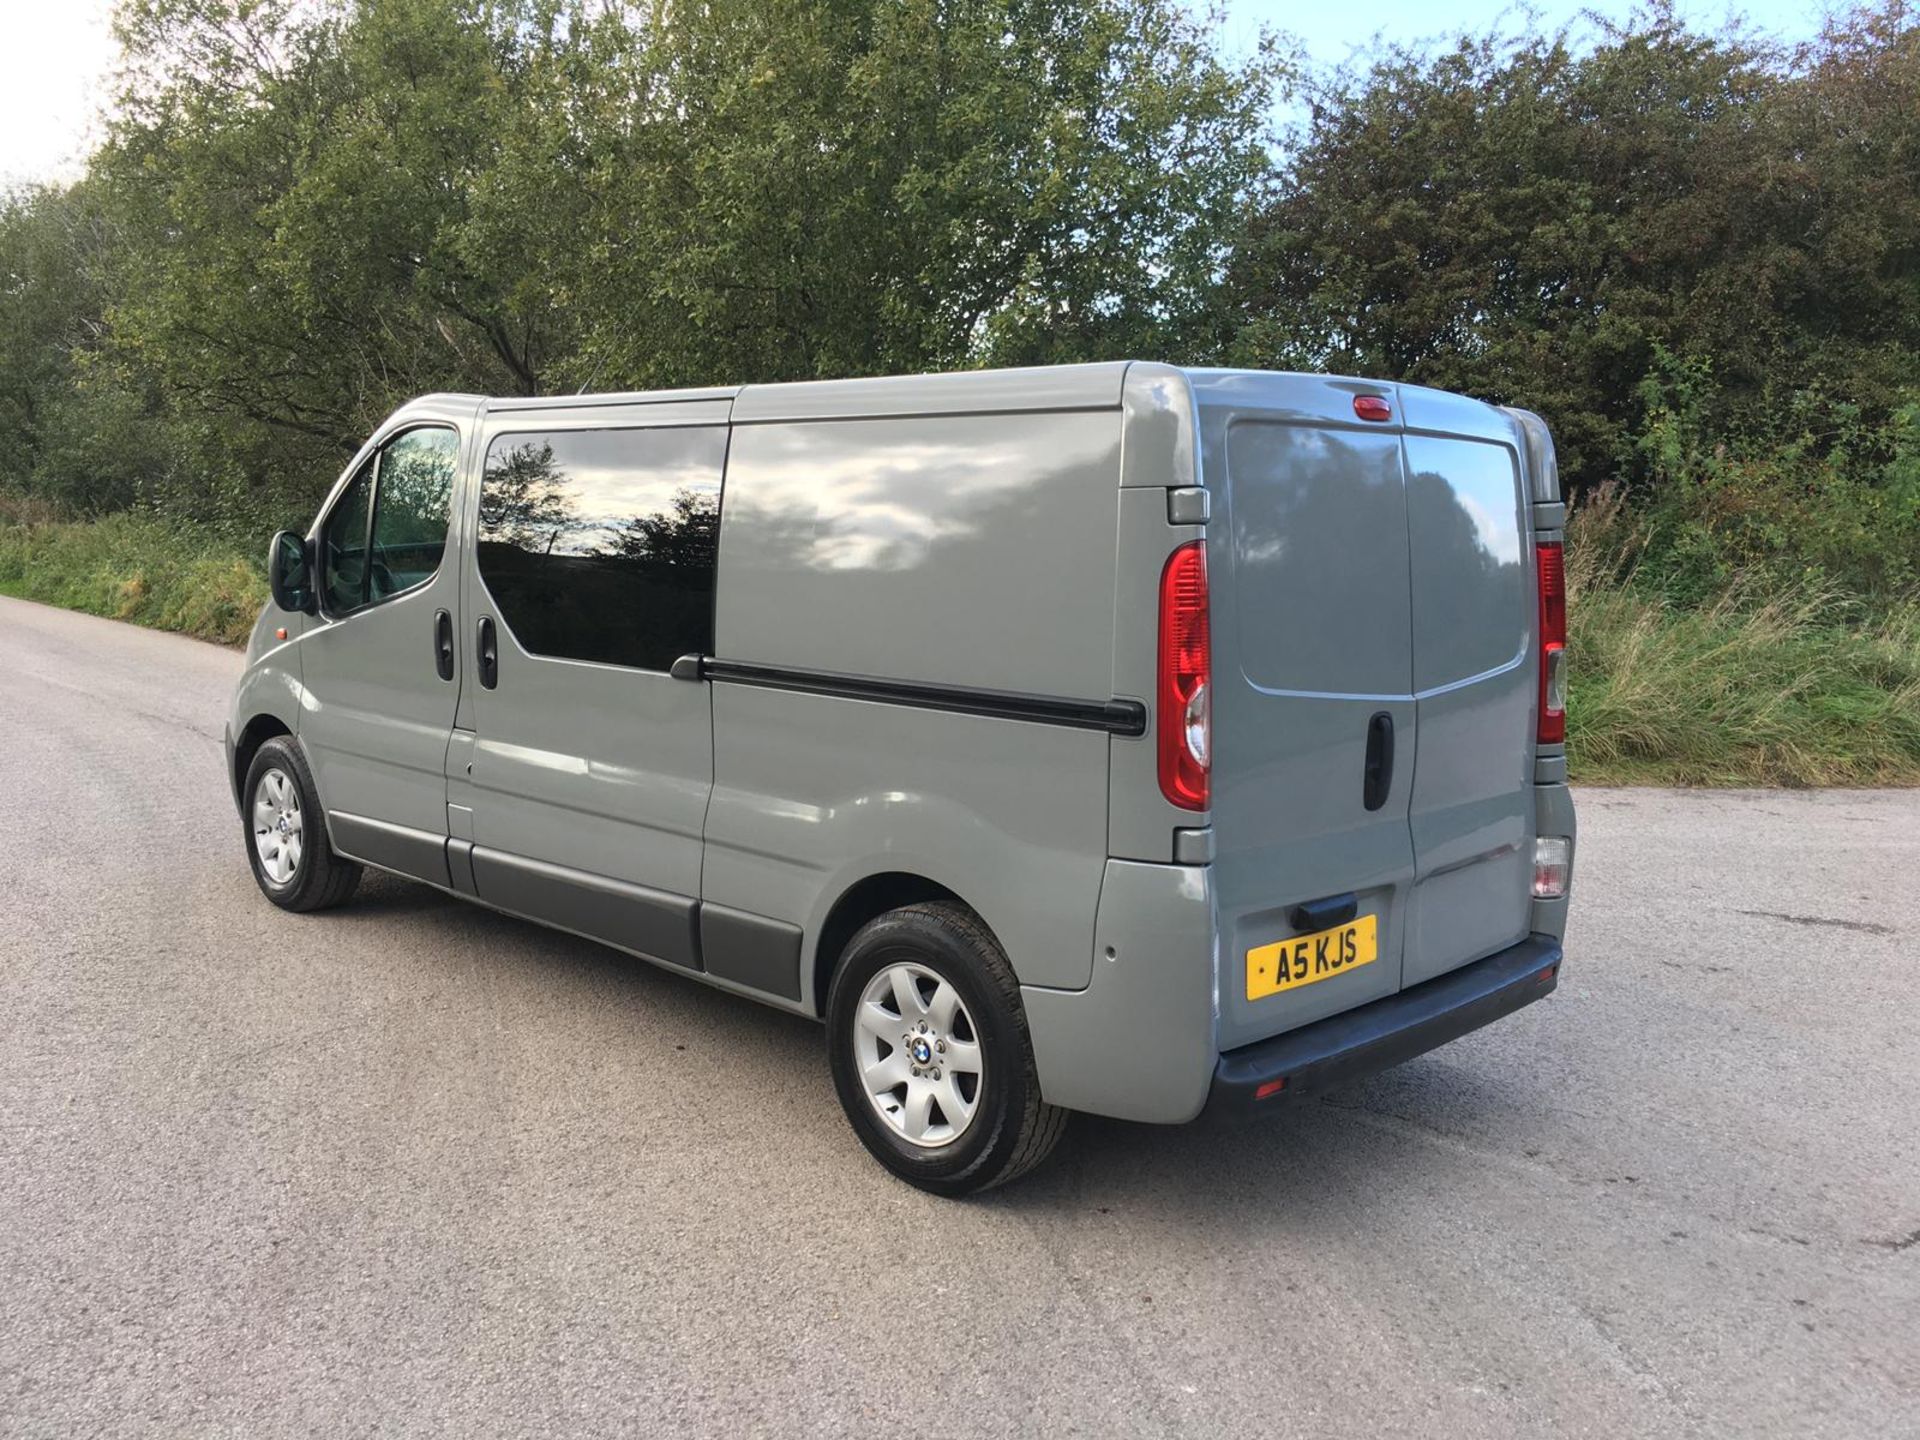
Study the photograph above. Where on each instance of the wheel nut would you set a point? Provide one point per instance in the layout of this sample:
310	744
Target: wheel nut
941	1046
936	1072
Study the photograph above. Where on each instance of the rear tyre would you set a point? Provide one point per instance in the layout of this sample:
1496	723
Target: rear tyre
286	832
930	1052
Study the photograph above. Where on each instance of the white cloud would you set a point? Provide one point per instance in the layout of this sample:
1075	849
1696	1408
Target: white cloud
54	77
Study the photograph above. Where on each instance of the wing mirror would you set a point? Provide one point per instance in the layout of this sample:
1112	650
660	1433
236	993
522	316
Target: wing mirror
290	573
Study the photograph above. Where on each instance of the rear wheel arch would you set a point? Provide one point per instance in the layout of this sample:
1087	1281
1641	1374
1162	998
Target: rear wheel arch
866	899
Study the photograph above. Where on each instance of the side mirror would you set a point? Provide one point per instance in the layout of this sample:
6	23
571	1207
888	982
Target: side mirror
290	573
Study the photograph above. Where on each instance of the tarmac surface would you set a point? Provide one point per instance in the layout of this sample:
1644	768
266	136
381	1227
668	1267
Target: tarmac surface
413	1168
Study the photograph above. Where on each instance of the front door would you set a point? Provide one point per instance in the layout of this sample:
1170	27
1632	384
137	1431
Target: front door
380	688
591	764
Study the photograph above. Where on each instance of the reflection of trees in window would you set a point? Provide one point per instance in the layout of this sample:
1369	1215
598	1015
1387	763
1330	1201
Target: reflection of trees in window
524	499
600	544
684	536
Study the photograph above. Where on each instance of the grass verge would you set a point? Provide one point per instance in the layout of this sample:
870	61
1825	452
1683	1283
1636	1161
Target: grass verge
129	567
1789	685
1779	692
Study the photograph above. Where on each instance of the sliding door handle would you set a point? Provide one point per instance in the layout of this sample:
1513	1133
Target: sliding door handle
443	644
488	653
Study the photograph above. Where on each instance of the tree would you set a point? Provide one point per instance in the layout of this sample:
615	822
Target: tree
1538	226
332	208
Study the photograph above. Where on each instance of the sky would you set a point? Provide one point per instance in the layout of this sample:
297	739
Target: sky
55	70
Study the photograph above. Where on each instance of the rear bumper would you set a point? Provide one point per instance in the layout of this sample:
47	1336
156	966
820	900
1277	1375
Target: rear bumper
1398	1027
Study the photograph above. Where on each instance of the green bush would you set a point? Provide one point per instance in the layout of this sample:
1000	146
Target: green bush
130	567
1834	511
1758	683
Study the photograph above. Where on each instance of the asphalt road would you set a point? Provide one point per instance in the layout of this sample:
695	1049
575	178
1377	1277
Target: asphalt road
413	1168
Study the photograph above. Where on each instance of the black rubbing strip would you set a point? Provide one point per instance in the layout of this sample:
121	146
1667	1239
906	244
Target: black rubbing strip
1115	717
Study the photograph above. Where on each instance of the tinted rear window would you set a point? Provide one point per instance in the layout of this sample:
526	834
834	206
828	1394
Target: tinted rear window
1319	558
599	544
1472	608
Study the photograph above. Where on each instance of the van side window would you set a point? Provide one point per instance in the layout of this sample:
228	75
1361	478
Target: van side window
600	544
410	510
343	542
408	487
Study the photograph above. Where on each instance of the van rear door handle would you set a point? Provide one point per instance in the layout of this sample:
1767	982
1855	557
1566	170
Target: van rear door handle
1377	782
489	654
443	644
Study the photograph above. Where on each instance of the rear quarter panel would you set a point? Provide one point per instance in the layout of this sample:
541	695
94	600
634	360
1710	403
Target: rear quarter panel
959	549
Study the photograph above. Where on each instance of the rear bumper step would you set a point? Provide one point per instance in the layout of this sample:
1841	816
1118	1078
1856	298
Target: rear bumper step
1372	1037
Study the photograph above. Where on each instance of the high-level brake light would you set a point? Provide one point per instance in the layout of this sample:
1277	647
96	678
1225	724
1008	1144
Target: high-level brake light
1552	570
1183	716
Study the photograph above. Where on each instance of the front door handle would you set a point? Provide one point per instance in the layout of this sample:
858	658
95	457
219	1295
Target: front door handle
1377	782
443	644
489	651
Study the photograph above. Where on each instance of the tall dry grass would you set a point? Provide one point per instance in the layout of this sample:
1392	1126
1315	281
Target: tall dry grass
1752	688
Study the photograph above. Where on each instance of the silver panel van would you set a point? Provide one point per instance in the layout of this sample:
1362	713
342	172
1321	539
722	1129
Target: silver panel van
1116	738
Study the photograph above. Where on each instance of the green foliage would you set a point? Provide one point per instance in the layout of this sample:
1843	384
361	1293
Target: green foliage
1537	225
1743	689
130	567
326	210
1807	514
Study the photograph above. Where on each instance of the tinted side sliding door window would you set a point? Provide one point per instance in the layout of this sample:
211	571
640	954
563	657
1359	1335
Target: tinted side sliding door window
387	532
600	544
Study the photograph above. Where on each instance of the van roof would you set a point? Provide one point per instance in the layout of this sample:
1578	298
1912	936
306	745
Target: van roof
1046	387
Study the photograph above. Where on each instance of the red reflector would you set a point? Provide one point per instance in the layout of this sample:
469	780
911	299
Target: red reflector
281	633
1547	974
1551	567
1271	1088
1184	708
1372	407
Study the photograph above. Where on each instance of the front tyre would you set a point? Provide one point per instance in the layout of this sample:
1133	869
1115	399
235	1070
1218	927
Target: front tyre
930	1052
286	832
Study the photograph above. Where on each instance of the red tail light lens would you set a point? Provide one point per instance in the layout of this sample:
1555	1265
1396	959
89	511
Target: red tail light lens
1552	570
1185	700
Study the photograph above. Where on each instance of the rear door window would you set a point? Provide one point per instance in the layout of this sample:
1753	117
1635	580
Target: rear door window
1471	608
1319	558
600	545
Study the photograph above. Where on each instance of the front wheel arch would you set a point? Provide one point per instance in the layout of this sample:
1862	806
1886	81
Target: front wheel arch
255	733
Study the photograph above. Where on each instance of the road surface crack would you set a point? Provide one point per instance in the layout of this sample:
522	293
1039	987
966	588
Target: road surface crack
1863	927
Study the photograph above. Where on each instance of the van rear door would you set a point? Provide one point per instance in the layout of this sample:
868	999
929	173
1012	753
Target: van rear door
1313	665
1474	681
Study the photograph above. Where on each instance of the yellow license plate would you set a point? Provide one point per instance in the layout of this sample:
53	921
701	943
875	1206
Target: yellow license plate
1305	959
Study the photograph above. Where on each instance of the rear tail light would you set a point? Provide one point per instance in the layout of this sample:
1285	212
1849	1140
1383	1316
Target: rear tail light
1552	859
1185	690
1552	570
